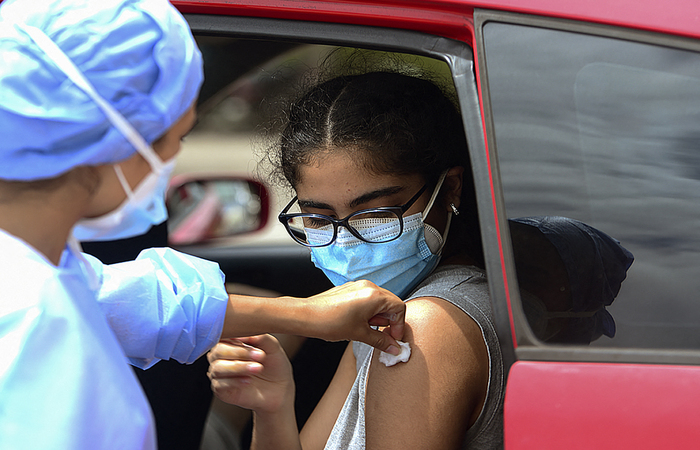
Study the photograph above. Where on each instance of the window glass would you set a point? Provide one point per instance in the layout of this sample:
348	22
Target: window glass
606	132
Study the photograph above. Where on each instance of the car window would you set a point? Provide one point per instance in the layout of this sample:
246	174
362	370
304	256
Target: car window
605	131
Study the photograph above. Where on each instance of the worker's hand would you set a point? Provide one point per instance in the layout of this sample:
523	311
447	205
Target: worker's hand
252	372
347	312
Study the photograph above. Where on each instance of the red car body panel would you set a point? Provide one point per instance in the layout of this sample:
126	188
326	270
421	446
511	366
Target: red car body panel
602	406
448	18
453	23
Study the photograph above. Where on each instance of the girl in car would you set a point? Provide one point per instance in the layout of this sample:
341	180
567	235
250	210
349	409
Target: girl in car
380	167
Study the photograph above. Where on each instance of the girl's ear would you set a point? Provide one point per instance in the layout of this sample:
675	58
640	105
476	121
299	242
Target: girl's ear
452	187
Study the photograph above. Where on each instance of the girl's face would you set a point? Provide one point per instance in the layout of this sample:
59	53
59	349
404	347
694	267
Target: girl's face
334	185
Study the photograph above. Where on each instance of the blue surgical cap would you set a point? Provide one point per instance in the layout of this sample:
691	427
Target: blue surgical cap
139	55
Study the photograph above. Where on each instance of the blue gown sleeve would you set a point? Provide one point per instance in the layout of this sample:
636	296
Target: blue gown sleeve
164	304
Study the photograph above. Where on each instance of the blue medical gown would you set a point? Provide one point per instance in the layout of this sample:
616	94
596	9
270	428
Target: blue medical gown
64	381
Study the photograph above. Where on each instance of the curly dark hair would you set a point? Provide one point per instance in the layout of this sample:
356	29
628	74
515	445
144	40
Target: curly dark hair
389	123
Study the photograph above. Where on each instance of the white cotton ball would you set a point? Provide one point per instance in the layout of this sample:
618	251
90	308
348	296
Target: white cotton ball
389	360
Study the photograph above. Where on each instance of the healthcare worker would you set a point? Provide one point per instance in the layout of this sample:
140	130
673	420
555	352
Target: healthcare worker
95	97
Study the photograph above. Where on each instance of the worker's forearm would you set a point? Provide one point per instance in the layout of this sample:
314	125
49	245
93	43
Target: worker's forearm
247	316
345	312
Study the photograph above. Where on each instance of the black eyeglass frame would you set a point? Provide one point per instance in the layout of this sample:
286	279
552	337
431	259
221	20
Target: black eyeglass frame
397	210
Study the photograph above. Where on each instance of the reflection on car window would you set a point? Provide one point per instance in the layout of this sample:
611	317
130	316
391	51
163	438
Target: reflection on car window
569	273
606	131
206	209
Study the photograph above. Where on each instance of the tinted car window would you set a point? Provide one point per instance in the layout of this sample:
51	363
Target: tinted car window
606	131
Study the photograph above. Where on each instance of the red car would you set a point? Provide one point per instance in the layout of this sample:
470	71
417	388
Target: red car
588	110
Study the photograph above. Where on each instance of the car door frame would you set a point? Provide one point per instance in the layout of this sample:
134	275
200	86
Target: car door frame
458	55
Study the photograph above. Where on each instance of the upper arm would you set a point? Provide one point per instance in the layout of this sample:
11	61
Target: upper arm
318	427
431	400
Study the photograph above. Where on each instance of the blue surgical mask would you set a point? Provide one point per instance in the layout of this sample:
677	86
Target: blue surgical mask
397	265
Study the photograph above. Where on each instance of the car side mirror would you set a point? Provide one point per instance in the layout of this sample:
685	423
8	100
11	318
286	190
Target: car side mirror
207	208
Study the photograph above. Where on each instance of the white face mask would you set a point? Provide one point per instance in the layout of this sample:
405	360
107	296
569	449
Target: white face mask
142	208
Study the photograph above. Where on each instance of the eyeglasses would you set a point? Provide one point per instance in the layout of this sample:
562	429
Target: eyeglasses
314	230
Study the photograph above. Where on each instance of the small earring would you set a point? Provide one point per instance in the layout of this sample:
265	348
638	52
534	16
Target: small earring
455	211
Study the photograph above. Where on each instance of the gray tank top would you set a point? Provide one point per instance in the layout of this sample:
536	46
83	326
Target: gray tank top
466	288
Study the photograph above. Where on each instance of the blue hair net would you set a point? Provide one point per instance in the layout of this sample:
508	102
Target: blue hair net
139	55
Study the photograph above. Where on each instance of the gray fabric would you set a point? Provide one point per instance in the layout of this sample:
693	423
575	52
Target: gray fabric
466	288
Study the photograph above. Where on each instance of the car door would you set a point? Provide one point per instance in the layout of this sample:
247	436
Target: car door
416	35
600	124
572	130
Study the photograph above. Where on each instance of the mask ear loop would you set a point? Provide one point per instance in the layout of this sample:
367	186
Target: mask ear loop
63	62
436	191
122	180
425	212
75	247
